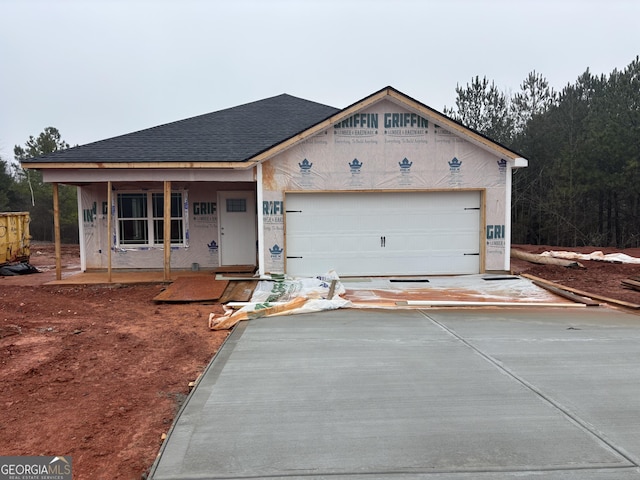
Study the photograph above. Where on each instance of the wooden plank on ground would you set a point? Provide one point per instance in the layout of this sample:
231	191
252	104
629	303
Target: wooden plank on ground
568	295
238	291
631	284
583	293
197	288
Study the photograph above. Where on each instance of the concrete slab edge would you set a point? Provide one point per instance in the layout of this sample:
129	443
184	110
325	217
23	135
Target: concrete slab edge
215	365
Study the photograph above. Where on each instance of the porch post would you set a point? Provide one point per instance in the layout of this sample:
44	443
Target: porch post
56	230
259	200
109	230
167	230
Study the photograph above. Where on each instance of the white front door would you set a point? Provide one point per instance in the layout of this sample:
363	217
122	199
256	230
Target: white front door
237	228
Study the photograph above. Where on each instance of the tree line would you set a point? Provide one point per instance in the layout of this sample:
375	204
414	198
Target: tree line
582	186
24	190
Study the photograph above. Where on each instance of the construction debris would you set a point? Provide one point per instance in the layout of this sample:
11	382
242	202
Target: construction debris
544	259
564	293
594	296
596	256
253	311
12	269
632	283
281	295
239	291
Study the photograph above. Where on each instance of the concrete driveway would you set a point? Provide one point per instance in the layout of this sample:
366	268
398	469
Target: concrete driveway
431	394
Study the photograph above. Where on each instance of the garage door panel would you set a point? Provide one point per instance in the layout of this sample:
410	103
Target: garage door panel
346	264
331	244
396	233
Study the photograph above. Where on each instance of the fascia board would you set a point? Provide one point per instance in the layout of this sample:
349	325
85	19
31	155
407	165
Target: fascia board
138	165
462	131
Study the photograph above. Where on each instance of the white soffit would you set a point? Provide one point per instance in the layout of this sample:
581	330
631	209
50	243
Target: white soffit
145	175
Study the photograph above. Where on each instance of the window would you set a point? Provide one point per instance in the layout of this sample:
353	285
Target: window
141	218
132	218
236	204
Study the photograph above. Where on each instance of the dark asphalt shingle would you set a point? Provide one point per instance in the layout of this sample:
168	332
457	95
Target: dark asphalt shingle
232	135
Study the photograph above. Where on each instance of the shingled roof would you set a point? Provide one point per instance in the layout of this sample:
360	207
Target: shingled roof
232	135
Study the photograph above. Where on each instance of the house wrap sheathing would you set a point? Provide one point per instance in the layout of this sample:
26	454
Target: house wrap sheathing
357	168
386	186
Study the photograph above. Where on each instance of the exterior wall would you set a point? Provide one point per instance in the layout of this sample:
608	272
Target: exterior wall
385	148
201	227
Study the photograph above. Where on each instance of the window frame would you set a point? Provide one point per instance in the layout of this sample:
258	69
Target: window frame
154	224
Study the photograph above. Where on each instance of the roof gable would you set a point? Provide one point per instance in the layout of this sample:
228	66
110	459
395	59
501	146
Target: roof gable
232	135
399	98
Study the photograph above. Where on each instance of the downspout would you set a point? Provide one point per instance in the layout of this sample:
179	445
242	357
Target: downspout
259	202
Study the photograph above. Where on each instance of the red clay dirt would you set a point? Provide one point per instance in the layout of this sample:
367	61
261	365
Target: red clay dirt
98	372
95	372
597	277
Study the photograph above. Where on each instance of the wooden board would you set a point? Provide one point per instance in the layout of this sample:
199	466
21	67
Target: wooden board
631	284
574	297
197	288
236	269
239	291
583	293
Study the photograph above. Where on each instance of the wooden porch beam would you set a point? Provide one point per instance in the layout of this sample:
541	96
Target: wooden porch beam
167	230
109	230
56	230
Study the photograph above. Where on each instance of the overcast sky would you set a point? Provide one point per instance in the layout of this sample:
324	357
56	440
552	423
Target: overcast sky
95	69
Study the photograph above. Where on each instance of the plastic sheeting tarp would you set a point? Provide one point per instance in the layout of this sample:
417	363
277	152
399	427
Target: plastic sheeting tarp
17	269
385	293
596	256
286	296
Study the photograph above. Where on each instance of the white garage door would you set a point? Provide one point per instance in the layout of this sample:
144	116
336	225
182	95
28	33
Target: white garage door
408	233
